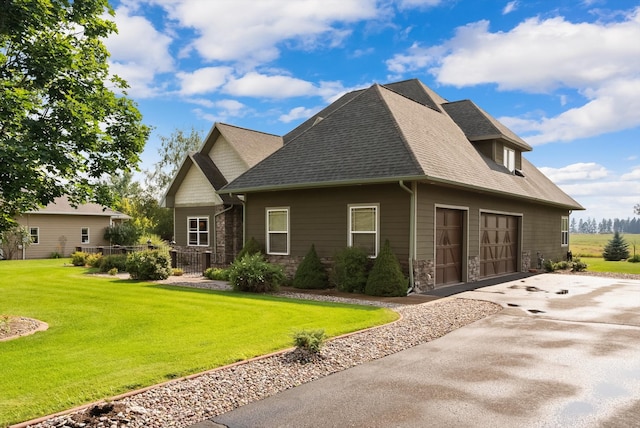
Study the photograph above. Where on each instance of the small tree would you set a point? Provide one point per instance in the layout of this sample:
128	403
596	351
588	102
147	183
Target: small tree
123	234
616	249
386	278
311	273
14	240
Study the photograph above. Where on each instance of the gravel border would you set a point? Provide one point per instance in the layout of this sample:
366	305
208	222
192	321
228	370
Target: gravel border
186	401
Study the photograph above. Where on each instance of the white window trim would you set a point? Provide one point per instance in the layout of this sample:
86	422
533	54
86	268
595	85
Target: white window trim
37	234
198	232
268	232
350	232
509	158
564	233
88	241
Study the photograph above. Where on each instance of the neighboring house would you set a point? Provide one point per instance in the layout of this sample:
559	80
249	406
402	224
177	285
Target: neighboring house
60	228
203	219
445	182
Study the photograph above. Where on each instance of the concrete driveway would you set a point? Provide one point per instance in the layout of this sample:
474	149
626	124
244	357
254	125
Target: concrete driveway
565	352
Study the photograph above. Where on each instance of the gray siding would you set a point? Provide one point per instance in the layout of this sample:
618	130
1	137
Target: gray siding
319	217
540	224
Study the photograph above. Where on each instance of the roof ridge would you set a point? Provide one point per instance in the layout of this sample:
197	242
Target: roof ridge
246	129
331	113
403	137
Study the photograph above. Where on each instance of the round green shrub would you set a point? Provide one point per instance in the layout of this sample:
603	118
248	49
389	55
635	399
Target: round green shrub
311	273
113	261
386	278
349	271
79	258
254	274
217	274
149	265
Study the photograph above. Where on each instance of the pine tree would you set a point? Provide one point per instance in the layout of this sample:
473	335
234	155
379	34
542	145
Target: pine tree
616	249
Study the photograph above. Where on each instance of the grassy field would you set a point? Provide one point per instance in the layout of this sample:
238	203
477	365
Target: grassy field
108	336
591	245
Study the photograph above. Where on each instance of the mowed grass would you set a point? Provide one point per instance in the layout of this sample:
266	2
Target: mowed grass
589	247
108	336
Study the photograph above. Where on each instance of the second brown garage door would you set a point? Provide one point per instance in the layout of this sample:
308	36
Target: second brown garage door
498	244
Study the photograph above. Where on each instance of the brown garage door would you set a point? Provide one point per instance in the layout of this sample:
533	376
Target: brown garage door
498	244
448	246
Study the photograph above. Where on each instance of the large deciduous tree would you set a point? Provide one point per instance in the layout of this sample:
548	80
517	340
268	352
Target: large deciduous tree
63	122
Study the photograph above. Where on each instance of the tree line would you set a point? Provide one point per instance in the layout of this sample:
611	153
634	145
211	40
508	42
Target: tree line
593	226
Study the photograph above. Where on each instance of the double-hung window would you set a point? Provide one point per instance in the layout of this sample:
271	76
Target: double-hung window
278	231
363	228
198	231
84	235
509	158
34	233
564	231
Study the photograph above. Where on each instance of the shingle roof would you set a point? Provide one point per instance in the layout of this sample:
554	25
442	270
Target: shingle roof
480	125
379	135
62	206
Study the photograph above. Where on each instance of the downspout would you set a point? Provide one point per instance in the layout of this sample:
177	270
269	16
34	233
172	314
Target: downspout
412	233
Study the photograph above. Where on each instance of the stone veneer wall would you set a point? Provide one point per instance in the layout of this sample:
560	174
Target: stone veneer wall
290	264
424	275
473	268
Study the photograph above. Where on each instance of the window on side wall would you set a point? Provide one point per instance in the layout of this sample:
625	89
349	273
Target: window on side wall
363	228
198	231
278	231
84	235
564	231
34	233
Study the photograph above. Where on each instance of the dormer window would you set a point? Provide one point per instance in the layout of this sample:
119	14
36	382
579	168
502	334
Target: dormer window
509	159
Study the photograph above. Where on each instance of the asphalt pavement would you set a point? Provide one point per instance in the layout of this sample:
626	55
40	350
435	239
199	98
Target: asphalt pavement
564	352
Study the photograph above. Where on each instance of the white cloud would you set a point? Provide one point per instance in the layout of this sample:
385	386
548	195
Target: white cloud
250	31
254	84
203	80
138	53
297	113
577	172
595	59
634	175
510	7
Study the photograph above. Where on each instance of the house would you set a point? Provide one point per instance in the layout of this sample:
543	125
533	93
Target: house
445	182
203	219
60	227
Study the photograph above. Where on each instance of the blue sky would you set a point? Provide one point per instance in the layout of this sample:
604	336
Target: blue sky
563	74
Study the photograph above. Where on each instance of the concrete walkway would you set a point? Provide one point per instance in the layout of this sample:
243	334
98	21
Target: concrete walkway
565	352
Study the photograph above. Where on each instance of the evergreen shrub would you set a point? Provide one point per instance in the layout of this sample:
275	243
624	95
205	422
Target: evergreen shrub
113	261
311	273
250	247
386	278
309	340
94	260
254	274
616	249
349	271
149	265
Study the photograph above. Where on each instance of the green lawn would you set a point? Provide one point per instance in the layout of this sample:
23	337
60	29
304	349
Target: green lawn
600	265
108	336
